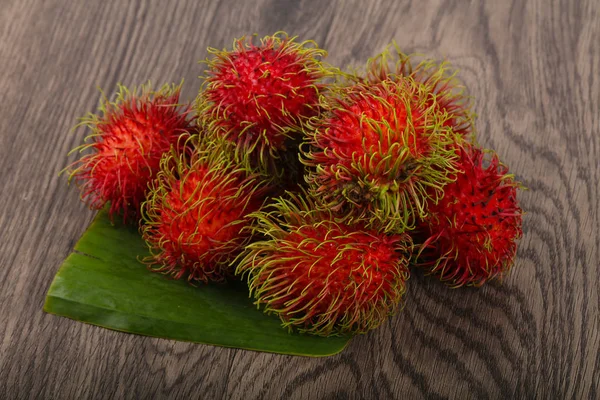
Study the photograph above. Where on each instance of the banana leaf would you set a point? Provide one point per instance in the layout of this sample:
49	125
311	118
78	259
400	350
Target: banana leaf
103	283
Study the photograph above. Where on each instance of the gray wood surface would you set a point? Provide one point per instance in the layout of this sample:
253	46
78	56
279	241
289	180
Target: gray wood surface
534	69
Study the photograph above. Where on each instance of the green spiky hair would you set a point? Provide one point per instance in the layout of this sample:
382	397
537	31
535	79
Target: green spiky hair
259	97
439	80
320	276
377	152
128	136
196	210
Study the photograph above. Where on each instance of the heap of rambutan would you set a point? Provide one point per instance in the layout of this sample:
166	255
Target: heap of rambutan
196	210
392	176
379	153
320	276
128	138
470	234
260	96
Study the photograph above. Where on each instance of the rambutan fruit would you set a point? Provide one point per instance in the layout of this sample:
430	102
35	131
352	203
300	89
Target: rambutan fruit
378	154
196	210
323	277
472	231
439	80
259	97
128	138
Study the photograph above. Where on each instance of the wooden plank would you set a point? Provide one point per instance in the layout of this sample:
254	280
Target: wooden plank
533	69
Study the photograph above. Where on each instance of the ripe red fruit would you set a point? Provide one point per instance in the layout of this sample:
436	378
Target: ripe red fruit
323	277
195	213
437	80
377	151
260	96
472	231
128	138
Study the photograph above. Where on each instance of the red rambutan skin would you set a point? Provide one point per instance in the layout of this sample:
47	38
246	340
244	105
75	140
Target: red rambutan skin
438	80
323	277
347	133
258	96
128	139
473	230
195	214
376	151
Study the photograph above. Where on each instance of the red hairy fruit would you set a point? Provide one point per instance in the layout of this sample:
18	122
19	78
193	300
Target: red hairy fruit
437	79
259	96
196	210
128	137
378	154
473	229
322	277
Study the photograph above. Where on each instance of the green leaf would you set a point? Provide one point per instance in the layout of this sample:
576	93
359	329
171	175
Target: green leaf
103	283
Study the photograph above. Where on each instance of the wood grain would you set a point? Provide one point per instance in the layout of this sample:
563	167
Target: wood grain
533	67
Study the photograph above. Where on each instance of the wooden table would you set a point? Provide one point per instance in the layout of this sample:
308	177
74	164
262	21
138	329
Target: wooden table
534	69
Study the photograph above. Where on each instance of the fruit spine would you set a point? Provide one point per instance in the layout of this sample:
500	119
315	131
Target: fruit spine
320	276
472	231
379	153
437	79
259	97
127	142
196	209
